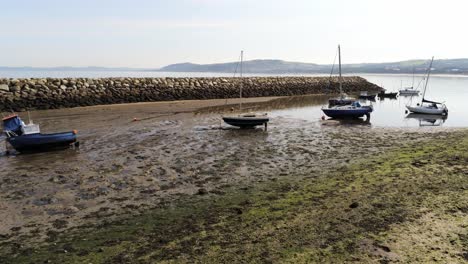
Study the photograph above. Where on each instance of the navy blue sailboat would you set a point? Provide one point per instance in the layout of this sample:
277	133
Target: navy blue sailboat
28	138
354	110
348	108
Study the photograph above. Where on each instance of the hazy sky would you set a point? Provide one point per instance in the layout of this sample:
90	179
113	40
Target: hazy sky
154	33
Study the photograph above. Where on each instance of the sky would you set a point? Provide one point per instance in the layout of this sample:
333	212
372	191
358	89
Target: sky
155	33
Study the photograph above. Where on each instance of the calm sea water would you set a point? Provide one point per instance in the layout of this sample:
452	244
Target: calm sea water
453	90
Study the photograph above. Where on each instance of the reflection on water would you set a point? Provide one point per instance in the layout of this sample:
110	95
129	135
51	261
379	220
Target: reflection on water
428	120
390	112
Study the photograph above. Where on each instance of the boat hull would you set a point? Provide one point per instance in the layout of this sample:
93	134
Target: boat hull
367	97
245	122
409	92
42	142
347	113
387	95
427	110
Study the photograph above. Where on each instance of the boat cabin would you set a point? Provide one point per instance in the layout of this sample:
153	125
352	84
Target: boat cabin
13	126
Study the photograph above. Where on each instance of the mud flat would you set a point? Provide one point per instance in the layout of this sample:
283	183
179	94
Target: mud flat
173	186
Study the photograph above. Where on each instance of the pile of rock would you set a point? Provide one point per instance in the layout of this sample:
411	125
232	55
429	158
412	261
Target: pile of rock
50	93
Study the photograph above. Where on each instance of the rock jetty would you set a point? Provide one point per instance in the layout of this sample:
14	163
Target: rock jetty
52	93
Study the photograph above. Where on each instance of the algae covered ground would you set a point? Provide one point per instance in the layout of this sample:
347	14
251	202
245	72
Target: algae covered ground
409	204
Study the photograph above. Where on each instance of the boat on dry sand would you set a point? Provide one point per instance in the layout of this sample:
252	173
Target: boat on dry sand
28	137
246	120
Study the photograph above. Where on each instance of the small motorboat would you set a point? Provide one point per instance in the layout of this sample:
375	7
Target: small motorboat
428	107
28	138
247	120
355	110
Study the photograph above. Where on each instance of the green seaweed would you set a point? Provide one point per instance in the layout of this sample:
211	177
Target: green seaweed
351	213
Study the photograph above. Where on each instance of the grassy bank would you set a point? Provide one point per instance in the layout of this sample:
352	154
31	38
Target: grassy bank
408	205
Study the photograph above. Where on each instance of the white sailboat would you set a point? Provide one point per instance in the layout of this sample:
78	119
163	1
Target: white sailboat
245	120
426	106
409	90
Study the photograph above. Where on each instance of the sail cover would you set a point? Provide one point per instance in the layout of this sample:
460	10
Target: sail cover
430	102
13	124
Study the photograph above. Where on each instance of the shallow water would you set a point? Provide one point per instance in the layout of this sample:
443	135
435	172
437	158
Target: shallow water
453	90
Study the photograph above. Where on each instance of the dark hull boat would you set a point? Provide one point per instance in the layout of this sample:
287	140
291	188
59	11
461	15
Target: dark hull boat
246	121
387	95
42	142
27	138
367	97
347	111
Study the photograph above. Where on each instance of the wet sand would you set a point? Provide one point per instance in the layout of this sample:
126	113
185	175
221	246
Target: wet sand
175	149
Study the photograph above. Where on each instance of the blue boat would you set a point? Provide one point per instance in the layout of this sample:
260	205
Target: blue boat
355	110
346	108
27	138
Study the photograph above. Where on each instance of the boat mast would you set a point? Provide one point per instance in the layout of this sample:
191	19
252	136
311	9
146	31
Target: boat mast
427	79
412	84
242	83
339	67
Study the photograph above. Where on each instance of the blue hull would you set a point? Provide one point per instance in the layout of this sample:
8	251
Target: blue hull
42	142
347	113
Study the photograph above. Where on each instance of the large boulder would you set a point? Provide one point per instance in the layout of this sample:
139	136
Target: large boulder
4	87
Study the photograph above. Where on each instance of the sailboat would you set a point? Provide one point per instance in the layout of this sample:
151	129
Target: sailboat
426	106
350	108
245	120
409	90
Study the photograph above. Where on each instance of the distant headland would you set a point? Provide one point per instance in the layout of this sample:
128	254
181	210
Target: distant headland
444	66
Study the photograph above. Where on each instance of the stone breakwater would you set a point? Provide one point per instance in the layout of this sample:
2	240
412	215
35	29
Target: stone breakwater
51	93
